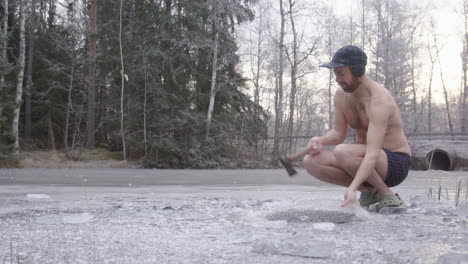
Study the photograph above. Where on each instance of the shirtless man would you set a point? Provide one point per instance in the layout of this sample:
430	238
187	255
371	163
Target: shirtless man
380	157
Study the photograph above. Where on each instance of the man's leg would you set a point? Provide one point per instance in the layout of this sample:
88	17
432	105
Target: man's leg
324	167
349	158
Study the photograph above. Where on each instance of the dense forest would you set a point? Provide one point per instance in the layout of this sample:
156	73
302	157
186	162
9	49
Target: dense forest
208	83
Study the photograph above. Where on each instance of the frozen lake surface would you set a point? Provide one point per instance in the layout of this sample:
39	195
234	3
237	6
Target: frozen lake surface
223	216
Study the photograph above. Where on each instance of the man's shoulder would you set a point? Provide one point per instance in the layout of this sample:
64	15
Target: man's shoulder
383	96
340	94
339	91
382	108
384	102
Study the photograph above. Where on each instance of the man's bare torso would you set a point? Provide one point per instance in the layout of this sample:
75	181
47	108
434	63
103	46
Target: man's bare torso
356	111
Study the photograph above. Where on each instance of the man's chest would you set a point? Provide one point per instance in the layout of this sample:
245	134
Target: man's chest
356	115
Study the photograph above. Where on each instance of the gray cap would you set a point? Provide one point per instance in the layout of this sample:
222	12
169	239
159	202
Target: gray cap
347	56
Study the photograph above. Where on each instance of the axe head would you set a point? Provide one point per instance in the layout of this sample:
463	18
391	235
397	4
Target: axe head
288	166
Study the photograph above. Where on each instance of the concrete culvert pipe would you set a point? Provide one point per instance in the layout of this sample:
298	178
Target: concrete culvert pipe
439	159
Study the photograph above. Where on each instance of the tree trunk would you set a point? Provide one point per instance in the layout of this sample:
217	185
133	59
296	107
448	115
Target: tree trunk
465	87
429	106
51	131
447	107
20	78
465	69
4	48
329	47
379	37
256	76
145	141
122	73
447	103
363	25
77	132
294	66
413	86
29	83
279	92
69	105
5	42
330	99
91	108
213	73
68	151
351	26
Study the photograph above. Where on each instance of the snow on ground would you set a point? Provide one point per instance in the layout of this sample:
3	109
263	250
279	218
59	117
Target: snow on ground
222	224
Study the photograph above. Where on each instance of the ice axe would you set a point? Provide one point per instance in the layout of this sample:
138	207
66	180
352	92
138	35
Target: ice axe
287	161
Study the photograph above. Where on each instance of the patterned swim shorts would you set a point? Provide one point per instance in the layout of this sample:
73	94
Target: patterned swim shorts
398	167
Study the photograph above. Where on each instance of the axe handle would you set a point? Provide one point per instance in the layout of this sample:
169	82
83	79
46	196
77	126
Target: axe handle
297	156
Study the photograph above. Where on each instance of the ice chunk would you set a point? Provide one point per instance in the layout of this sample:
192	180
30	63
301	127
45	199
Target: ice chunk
77	218
317	211
295	247
393	210
359	212
49	219
34	196
326	226
269	224
453	258
462	211
311	215
64	219
257	220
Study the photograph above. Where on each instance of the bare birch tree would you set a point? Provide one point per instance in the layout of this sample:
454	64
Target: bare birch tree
4	41
69	105
50	128
296	57
145	100
76	17
330	81
429	94
330	50
214	65
363	25
256	75
20	76
71	14
256	59
447	104
279	86
378	49
414	50
91	81
465	69
4	52
29	82
293	61
122	76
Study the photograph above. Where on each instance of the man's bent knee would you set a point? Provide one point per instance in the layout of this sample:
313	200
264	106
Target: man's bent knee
341	151
314	164
347	156
309	162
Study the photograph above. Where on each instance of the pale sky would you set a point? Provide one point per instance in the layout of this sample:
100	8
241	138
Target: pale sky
449	28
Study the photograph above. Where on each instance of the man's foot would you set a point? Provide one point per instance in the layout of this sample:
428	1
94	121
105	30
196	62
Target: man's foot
389	200
368	198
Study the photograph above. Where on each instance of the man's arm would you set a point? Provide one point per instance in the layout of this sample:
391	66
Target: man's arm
378	122
335	135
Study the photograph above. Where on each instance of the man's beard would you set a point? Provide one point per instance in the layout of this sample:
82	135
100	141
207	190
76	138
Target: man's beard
349	88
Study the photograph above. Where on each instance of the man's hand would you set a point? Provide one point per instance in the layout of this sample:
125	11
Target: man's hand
314	146
350	197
